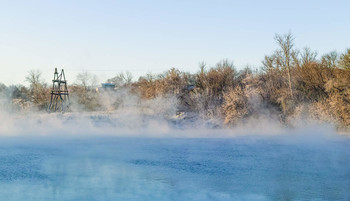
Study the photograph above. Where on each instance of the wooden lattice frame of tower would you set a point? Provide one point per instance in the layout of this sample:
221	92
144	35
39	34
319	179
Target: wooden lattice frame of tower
59	94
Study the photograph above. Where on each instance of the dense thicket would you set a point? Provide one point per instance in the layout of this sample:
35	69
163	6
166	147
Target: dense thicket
291	85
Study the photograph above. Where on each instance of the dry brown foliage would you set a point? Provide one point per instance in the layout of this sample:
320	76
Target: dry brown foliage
235	106
290	84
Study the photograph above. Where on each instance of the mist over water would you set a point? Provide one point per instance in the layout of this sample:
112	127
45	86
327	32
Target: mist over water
279	130
150	153
114	168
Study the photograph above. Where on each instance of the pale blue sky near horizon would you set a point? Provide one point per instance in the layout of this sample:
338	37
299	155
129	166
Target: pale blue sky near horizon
108	37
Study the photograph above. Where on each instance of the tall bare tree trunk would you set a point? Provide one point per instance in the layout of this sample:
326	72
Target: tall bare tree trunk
285	55
289	82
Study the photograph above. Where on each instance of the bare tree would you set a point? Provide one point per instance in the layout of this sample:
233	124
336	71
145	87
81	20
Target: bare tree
34	78
128	77
202	66
87	80
308	56
121	79
345	60
268	63
201	76
38	90
330	60
286	55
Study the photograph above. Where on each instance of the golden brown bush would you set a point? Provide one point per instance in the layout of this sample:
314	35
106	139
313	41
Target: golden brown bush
291	84
345	60
338	89
235	106
38	92
310	81
146	86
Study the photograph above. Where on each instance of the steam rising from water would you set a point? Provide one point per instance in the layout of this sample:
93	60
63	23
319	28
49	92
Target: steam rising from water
130	122
143	118
95	159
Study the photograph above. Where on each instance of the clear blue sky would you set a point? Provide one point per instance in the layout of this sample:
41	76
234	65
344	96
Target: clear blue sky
107	37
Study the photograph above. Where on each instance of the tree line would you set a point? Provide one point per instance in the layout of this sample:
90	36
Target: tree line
291	84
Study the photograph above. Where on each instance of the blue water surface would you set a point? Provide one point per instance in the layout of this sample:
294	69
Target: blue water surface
112	168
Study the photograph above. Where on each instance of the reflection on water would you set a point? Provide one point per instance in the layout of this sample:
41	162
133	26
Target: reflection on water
174	169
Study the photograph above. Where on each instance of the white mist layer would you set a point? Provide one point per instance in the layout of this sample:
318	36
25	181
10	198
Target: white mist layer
130	123
142	118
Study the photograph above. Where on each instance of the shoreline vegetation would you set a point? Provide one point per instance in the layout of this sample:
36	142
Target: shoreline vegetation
292	85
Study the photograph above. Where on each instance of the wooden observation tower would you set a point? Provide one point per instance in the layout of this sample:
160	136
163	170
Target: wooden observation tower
59	95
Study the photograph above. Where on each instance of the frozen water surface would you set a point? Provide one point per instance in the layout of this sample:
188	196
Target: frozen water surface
111	168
